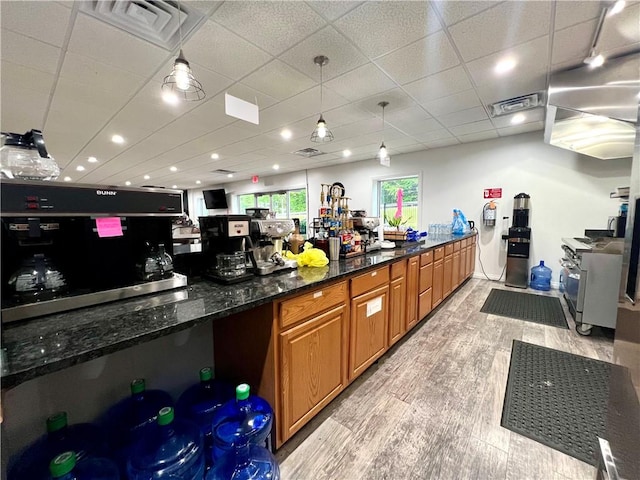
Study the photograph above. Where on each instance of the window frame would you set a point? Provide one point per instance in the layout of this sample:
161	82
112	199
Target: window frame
377	194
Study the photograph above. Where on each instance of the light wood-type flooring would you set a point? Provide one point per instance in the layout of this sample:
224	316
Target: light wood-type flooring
431	407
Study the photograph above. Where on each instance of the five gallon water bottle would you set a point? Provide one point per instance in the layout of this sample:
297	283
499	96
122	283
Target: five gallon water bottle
127	419
85	439
199	403
541	277
173	449
246	462
245	420
63	467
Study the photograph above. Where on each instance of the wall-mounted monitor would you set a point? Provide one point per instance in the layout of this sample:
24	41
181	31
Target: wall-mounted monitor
215	199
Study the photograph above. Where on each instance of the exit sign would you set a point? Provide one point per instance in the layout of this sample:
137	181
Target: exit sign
493	193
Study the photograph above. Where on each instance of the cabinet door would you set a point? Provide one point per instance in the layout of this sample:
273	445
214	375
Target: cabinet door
426	277
369	327
473	258
448	270
463	264
425	303
397	309
455	275
438	278
412	292
312	357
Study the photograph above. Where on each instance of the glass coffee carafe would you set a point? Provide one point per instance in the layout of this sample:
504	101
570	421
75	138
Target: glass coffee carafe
25	157
231	264
37	279
156	265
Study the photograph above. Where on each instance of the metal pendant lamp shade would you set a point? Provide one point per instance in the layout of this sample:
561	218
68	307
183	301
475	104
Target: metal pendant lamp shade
321	134
382	152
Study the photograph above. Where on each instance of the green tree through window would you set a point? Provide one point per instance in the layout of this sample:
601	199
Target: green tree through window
388	194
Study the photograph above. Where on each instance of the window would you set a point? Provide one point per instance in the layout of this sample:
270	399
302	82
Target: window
388	199
288	204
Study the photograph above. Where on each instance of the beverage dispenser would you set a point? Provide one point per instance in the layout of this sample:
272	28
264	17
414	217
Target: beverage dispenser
519	243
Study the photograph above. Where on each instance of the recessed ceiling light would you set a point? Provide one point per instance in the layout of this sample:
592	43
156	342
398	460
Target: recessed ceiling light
80	168
198	182
346	153
617	7
67	179
174	186
173	169
92	159
505	65
127	183
518	118
117	139
286	134
170	97
146	177
229	175
215	156
276	167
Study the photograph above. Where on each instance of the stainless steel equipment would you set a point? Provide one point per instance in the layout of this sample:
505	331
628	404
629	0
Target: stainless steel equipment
267	236
518	244
368	227
85	243
591	270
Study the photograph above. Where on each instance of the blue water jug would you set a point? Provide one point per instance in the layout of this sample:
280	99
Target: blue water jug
126	420
245	420
246	462
199	403
541	277
173	449
64	467
85	439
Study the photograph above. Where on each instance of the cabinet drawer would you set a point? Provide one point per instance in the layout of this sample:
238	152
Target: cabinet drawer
398	269
456	246
463	243
438	253
426	277
426	258
368	281
308	304
448	249
424	303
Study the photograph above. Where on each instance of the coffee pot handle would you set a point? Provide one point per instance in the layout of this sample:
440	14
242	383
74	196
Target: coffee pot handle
249	252
35	136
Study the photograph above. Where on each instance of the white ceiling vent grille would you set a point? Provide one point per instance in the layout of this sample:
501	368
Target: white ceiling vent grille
308	152
222	171
517	104
154	21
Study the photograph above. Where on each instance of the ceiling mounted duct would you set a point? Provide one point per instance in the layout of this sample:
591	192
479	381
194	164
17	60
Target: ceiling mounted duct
594	111
157	22
517	104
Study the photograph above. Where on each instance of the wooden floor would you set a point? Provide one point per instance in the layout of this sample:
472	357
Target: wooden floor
431	407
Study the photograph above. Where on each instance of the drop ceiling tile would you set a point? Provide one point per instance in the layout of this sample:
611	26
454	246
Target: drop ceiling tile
434	135
416	147
477	137
356	129
531	58
501	27
397	98
621	33
465	116
334	9
278	25
504	90
470	128
439	85
453	12
346	114
427	56
95	39
278	80
44	21
224	52
453	103
361	82
23	110
343	56
570	13
28	52
378	28
572	43
412	121
516	129
26	79
442	143
533	115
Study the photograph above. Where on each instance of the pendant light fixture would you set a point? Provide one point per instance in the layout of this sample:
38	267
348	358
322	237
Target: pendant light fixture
321	134
180	84
383	155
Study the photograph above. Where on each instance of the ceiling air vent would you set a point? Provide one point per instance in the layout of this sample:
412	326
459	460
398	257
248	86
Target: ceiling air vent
517	104
222	171
308	152
154	21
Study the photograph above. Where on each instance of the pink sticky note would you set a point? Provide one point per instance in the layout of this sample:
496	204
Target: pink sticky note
109	227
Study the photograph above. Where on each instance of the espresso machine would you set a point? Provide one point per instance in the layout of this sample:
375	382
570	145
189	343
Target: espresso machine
367	228
227	248
267	235
71	246
519	243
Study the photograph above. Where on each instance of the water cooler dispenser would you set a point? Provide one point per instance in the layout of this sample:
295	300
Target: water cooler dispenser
518	243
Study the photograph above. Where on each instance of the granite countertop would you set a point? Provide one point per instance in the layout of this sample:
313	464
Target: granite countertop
47	344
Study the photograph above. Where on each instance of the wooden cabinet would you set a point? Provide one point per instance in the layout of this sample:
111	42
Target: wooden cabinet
312	357
368	331
438	278
472	260
413	271
447	275
397	302
426	277
463	263
425	284
425	303
455	274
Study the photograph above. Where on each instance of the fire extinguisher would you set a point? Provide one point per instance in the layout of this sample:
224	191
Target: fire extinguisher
489	214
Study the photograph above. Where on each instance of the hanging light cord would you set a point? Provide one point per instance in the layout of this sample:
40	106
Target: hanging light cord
180	25
321	88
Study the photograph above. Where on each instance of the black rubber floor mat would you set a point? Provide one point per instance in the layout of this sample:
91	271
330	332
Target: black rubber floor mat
525	306
557	398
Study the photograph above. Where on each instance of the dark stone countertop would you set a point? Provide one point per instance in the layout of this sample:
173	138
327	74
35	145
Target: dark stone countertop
47	344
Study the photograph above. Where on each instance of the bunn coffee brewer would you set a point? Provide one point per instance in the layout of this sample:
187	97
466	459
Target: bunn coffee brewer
226	248
519	243
71	246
